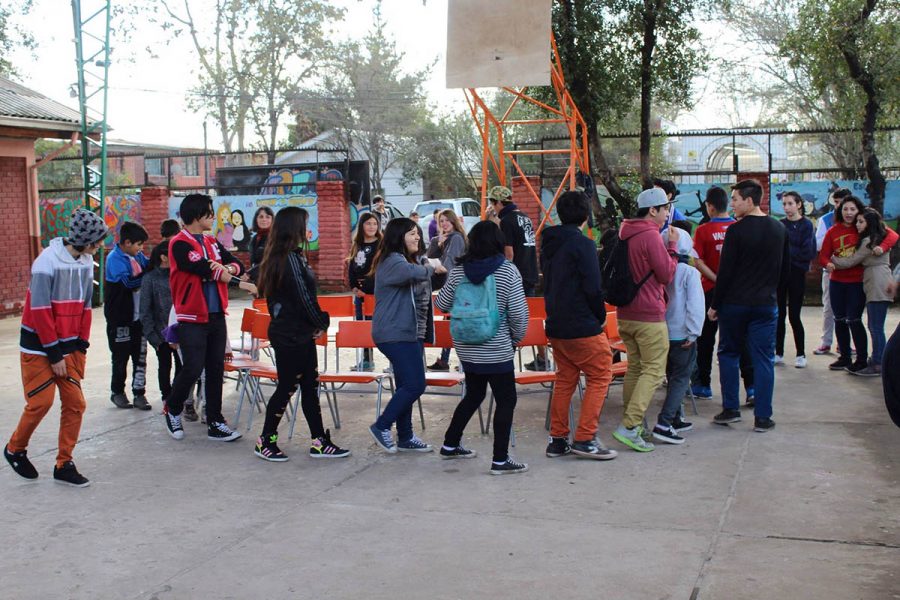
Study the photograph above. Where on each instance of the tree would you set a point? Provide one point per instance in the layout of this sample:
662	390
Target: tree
377	110
257	56
13	36
616	52
853	41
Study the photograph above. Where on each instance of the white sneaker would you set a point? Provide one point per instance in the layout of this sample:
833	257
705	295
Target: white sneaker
800	363
779	360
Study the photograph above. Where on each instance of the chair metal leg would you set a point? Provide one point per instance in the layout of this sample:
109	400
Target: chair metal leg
486	428
512	436
336	414
294	411
421	414
378	401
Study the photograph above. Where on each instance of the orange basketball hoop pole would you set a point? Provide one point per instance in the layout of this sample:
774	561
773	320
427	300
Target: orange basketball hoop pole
490	127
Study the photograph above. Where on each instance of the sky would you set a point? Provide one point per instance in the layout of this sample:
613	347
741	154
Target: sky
147	101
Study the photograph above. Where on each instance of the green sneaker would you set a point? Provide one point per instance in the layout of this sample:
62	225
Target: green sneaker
633	438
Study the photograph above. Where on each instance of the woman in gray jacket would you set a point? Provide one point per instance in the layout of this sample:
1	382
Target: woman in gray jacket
401	324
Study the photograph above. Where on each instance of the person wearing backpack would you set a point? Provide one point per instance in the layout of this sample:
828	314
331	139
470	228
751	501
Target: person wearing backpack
489	315
637	286
575	322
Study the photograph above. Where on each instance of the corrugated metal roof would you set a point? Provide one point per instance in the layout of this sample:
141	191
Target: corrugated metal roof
20	102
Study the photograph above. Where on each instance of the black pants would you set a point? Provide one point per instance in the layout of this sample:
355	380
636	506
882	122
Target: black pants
202	346
296	365
504	387
706	346
165	355
790	302
128	343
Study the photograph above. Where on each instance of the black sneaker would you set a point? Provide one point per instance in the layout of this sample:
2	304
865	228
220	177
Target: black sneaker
667	434
538	364
121	401
508	468
141	403
840	364
558	446
268	449
763	425
457	452
173	425
729	415
439	365
221	432
20	463
69	475
679	425
323	448
856	367
189	414
593	449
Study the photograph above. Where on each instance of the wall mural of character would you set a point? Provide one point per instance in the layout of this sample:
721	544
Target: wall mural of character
224	229
241	234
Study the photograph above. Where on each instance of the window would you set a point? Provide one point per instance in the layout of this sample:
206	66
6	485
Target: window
471	209
154	166
191	166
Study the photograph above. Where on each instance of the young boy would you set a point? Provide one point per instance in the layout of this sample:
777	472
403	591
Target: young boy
125	267
56	326
168	229
684	318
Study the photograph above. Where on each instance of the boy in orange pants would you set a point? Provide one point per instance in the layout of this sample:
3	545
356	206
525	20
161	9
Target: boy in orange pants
56	326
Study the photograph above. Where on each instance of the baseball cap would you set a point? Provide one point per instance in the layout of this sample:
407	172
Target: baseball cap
499	193
652	197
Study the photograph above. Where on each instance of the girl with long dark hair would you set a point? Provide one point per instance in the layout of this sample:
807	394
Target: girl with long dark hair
289	287
262	224
362	253
875	239
490	362
448	246
802	241
402	322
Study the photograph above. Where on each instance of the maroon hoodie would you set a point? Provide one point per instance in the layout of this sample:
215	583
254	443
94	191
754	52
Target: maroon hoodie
646	252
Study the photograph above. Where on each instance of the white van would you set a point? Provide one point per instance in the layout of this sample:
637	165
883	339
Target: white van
466	208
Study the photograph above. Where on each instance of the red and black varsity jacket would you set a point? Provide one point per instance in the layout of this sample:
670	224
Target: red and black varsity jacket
189	268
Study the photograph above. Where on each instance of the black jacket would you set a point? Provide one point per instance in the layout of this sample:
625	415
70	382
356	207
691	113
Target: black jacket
572	288
294	308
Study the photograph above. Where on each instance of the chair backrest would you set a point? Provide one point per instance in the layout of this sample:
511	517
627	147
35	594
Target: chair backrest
354	334
247	320
434	307
442	337
534	335
612	325
261	305
260	329
609	307
368	305
337	306
536	307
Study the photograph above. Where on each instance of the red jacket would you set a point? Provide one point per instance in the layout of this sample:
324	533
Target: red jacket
646	252
189	268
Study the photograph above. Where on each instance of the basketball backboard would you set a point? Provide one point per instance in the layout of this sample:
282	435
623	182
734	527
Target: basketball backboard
498	43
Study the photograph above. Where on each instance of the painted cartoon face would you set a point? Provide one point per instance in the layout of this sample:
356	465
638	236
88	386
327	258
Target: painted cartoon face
849	212
370	228
237	219
411	239
224	215
861	224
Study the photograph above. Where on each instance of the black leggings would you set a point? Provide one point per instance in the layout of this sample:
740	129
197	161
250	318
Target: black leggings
790	302
296	365
165	355
504	387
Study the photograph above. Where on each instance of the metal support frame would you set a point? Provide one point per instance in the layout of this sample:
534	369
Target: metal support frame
92	65
492	128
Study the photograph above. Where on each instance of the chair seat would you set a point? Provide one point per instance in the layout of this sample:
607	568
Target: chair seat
349	377
444	379
264	372
532	377
243	364
620	368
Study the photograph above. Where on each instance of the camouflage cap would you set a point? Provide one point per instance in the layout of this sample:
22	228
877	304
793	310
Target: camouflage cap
500	193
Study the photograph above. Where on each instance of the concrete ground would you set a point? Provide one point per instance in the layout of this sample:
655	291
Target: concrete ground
810	510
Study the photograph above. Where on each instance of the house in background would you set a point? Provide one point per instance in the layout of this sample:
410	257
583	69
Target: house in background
402	197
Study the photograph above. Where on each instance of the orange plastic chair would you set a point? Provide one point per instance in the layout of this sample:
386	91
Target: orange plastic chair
443	339
337	305
612	332
261	305
537	309
368	305
244	344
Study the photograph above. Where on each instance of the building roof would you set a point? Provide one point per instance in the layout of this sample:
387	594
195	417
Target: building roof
26	108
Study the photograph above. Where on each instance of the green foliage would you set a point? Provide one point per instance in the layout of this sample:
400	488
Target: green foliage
13	36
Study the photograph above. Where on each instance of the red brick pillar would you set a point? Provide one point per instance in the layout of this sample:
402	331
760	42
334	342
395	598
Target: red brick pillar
334	235
763	180
525	200
154	210
15	261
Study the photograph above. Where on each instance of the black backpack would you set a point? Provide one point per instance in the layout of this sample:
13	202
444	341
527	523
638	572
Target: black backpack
618	283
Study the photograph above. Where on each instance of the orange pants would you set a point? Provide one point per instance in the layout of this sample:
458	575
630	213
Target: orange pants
592	356
40	386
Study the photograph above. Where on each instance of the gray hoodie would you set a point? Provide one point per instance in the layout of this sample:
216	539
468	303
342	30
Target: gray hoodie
394	319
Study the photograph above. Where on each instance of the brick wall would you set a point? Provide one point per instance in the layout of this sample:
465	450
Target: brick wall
763	180
525	200
154	210
334	236
15	262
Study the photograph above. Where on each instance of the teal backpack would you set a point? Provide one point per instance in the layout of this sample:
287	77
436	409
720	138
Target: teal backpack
474	317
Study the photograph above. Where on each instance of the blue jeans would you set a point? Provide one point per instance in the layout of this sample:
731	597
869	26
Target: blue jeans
409	373
679	366
877	313
753	326
847	303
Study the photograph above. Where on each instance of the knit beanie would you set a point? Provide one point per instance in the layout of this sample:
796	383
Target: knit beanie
86	228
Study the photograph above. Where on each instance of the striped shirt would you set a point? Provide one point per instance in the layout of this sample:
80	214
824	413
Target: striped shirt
513	311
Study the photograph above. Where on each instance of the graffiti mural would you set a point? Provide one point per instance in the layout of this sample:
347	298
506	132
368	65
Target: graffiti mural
234	216
56	213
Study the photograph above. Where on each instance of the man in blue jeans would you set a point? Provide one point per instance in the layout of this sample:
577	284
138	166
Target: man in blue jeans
755	260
